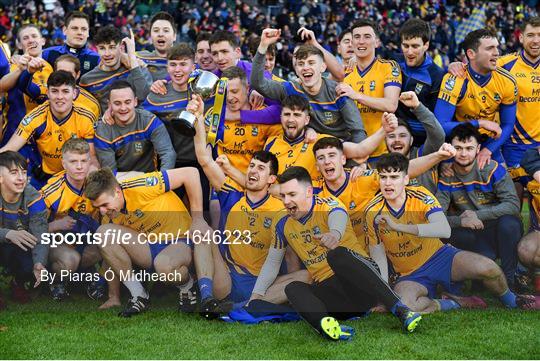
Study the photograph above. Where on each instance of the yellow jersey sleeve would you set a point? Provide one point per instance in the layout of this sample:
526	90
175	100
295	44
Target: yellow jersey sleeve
392	76
154	184
32	121
451	88
510	94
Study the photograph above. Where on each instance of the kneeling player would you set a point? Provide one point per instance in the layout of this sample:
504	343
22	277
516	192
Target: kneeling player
139	210
346	282
409	222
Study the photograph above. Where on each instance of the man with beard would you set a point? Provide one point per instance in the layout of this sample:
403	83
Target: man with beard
486	91
401	139
481	203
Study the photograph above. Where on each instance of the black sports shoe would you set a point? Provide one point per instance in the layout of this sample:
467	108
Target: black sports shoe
96	289
59	292
135	306
187	299
210	308
528	302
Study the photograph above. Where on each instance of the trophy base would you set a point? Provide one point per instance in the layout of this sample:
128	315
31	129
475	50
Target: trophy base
185	124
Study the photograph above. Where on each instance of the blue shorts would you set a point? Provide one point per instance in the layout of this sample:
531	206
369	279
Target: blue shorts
437	270
513	153
241	286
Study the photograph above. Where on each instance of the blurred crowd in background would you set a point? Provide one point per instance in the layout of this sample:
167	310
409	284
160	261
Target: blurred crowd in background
246	19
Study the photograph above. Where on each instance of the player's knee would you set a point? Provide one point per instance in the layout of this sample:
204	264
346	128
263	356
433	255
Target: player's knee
526	251
488	269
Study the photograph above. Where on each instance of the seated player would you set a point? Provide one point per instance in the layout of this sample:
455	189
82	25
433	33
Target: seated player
356	193
248	209
331	114
237	140
346	282
50	125
401	140
408	223
481	204
529	246
152	222
136	139
110	43
24	220
163	35
70	211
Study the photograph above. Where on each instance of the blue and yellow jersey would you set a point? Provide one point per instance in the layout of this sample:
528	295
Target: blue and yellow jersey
300	235
156	65
239	141
406	251
372	81
476	97
87	101
50	134
355	195
253	219
527	76
294	153
152	208
62	198
534	190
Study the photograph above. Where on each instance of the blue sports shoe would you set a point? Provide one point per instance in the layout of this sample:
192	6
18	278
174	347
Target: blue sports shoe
409	319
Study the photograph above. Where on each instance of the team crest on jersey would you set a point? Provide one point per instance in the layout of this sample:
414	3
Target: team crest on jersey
418	88
352	205
331	202
372	85
497	97
395	71
86	65
304	148
255	131
450	84
328	118
138	147
316	230
26	121
151	181
267	222
139	213
428	200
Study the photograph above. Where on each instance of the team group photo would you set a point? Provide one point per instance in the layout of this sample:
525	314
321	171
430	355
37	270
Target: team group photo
270	179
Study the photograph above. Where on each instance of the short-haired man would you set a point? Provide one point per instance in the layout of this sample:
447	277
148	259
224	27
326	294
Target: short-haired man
27	79
238	140
151	221
163	35
137	137
203	55
248	208
419	74
83	99
71	211
482	204
77	30
22	252
408	223
331	114
487	90
110	43
374	84
529	246
346	282
50	125
345	47
401	140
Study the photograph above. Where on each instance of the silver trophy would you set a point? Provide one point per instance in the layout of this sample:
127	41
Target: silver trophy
204	84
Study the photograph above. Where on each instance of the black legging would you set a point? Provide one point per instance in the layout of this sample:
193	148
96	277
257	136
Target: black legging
355	288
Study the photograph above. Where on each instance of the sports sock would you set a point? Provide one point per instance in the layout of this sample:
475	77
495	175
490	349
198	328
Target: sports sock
397	305
135	288
447	305
508	299
205	286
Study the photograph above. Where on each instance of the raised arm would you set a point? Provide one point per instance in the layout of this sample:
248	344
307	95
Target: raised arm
421	165
332	64
366	147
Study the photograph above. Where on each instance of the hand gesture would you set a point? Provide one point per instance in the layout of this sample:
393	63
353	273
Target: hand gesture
256	100
389	122
329	240
310	136
483	158
269	37
22	239
446	151
35	65
159	87
345	90
409	99
457	68
493	127
308	36
224	163
358	171
387	221
64	224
